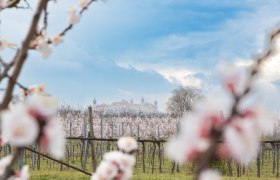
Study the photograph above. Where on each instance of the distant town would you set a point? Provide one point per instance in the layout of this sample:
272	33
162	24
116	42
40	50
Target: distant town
125	107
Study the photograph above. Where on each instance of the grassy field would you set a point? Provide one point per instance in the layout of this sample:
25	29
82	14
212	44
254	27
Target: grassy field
47	169
71	175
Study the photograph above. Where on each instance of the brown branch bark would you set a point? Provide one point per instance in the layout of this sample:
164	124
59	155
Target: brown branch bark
6	68
12	3
15	4
46	13
21	55
19	61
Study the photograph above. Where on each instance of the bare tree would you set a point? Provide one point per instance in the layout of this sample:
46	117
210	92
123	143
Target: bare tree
182	100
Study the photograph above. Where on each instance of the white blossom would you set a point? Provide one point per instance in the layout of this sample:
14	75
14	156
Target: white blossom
3	4
18	126
22	175
177	150
127	174
56	39
3	140
233	77
209	175
41	45
4	162
242	139
55	137
123	160
127	144
191	141
127	161
106	170
95	177
34	89
73	16
113	155
42	105
83	3
115	165
183	149
37	89
265	121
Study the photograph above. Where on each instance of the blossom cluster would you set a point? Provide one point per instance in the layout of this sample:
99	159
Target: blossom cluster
42	43
239	134
34	120
74	16
3	4
23	174
117	164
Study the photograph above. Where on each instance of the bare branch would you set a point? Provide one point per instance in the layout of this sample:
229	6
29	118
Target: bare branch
216	134
45	18
18	84
12	3
22	54
7	67
80	13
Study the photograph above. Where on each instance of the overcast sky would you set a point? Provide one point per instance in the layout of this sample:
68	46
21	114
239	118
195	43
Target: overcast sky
126	49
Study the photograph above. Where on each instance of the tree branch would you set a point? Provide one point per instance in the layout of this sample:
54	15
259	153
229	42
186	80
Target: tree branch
45	18
22	54
6	67
12	3
216	134
80	13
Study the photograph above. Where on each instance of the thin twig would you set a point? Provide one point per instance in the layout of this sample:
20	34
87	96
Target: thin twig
12	3
18	84
45	18
216	134
7	67
58	161
27	5
15	4
70	26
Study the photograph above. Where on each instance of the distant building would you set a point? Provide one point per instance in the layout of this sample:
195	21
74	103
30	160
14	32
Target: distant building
124	107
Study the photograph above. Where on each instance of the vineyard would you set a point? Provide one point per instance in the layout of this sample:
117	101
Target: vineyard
209	72
83	152
150	160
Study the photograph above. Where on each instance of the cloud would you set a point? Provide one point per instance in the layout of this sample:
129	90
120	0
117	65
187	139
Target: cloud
270	68
178	57
181	76
243	63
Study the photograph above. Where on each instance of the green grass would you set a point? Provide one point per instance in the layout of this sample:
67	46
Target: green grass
57	175
73	175
51	170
